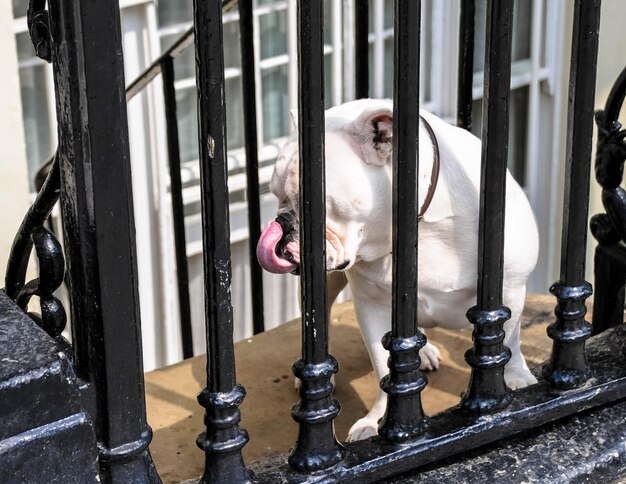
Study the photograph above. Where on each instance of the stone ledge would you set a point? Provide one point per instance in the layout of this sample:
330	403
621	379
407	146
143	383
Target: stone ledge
264	369
586	448
44	429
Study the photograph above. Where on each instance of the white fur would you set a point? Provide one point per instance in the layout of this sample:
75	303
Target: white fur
359	192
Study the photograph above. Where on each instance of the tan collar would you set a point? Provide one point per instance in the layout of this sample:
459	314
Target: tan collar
434	176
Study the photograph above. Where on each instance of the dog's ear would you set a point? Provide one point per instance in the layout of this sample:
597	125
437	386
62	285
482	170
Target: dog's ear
373	130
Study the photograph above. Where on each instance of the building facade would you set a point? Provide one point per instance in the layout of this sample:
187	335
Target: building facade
537	140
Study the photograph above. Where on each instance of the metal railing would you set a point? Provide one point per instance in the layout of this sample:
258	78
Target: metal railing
103	294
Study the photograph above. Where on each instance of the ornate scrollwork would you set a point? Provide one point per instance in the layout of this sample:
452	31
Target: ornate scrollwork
39	29
610	228
52	269
50	257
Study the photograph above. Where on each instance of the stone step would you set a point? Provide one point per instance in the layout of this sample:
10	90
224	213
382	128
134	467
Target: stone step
264	369
45	434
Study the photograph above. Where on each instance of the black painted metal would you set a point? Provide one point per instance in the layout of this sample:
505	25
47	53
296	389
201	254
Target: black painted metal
223	439
178	209
248	86
609	285
573	449
361	48
177	48
610	228
456	431
568	366
466	64
46	435
35	217
52	268
404	417
99	230
92	167
38	21
317	447
487	390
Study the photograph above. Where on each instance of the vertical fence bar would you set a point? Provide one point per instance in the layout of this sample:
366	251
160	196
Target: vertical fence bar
317	447
178	212
466	64
487	389
567	367
361	49
404	417
248	86
223	440
99	231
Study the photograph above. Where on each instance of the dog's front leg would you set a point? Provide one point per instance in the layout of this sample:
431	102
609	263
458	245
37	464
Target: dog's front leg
372	304
374	317
516	373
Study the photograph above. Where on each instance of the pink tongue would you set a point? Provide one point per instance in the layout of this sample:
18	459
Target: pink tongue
266	250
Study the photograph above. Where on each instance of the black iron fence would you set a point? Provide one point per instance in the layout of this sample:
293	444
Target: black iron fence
90	174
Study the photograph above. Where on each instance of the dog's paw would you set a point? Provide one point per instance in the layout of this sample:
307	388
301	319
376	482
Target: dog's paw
362	429
431	357
297	382
519	378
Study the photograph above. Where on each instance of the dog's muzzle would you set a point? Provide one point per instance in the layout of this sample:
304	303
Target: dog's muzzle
278	250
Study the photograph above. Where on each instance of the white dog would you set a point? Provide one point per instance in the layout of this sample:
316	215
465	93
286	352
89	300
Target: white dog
358	232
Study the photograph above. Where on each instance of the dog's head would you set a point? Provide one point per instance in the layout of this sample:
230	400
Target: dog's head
358	152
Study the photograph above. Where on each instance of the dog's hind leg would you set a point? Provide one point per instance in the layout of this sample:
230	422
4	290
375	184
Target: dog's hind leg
516	373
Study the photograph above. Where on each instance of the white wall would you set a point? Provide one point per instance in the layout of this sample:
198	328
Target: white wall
14	196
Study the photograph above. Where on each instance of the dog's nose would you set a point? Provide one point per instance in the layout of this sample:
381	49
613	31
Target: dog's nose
287	221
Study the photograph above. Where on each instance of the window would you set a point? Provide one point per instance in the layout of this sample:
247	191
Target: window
37	95
524	34
275	32
536	102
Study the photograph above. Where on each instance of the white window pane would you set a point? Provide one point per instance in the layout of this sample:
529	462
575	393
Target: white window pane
186	113
388	17
19	8
35	112
522	21
186	109
328	22
232	51
185	63
522	15
275	102
388	89
173	12
234	113
544	17
518	131
388	43
273	30
388	23
25	49
328	81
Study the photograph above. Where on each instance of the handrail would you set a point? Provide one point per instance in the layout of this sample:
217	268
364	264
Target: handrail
174	51
146	77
